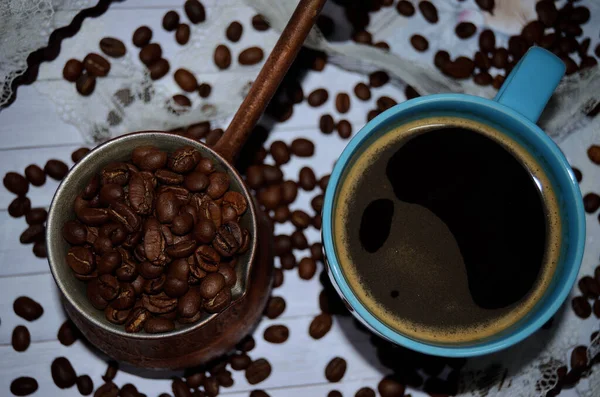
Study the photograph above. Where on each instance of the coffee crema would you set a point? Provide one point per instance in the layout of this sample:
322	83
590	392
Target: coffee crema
447	230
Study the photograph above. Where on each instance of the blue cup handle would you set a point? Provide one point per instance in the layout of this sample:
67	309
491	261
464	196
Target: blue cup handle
531	83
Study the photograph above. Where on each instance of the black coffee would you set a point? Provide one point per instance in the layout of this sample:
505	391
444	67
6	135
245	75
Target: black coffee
444	231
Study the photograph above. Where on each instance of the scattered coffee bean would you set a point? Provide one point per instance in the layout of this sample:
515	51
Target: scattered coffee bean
429	11
36	216
307	179
405	8
19	206
16	183
546	12
96	65
300	219
365	392
72	70
112	47
204	90
344	129
464	30
362	91
498	81
591	202
32	234
258	371
78	154
142	36
280	152
108	389
186	80
533	32
275	307
195	11
85	84
40	249
302	147
389	387
23	386
246	344
276	334
593	153
579	359
288	261
35	175
486	5
483	78
150	54
342	102
487	41
318	97
251	56
277	278
385	102
320	326
419	43
500	58
68	333
21	338
362	37
335	393
307	268
63	373
378	79
234	31
589	287
56	169
159	69
460	68
170	21
326	124
335	370
27	308
182	34
299	240
222	57
259	23
581	307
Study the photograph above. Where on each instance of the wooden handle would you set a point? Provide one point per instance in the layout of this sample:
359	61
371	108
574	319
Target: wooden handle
269	78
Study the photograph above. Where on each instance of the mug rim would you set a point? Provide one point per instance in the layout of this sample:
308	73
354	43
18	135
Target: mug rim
341	284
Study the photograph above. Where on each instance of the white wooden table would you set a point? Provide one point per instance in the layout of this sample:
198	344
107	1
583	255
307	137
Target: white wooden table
31	132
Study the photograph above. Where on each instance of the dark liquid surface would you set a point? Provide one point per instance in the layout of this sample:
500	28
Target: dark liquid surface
448	230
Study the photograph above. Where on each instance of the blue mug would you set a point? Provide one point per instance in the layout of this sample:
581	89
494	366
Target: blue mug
513	113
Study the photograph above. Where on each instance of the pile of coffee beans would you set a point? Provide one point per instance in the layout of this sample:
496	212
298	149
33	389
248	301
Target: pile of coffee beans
156	239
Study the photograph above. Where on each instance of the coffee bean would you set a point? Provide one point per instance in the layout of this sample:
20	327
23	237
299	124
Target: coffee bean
419	43
150	54
16	183
204	90
388	387
302	147
365	392
23	386
158	325
218	184
581	307
68	333
580	15
56	169
195	11
170	21
385	102
546	12
35	175
159	69
78	154
85	84
275	307
335	370
464	30
136	320
219	302
300	219
461	68
280	152
251	56
258	371
40	250
259	23
320	326
288	261
483	79
307	268
72	70
533	32
299	240
587	62
517	46
318	97
246	344
112	47
307	179
271	174
589	287
344	129
578	174
378	79
240	361
27	308
579	359
20	338
593	153
63	373
222	57
591	202
186	80
96	65
277	278
362	37
342	102
482	61
182	35
276	334
234	31
19	207
326	124
81	260
487	41
486	5
362	91
335	393
142	36
429	11
108	389
405	8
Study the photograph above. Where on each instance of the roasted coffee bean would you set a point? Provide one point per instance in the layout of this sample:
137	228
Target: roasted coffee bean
229	275
35	175
184	159
259	23
240	361
186	80
378	79
67	333
182	34
335	393
307	179
234	31
276	334
259	393
486	5
180	388
302	147
546	12
517	46
93	216
21	338
228	239
579	359
270	197
500	58
109	262
117	173
85	385
246	344
464	30
482	61
189	305
362	37
335	370
254	176
581	307
19	207
128	390
258	371
326	124
405	8
251	56
271	174
275	307
288	260
75	233
205	231
409	92
195	11
111	192
115	316
307	268
281	214
63	373
204	90
112	47
389	387
487	41
170	21
482	78
460	68
125	215
207	258
419	43
182	101
142	36
198	130
23	386
136	320
282	244
16	183
96	65
56	169
218	184
362	91
150	53
32	234
93	294
280	152
219	302
72	70
342	102
300	219
158	325
222	57
149	158
579	15
125	298
40	250
194	380
211	285
108	287
533	32
211	386
213	137
318	97
344	129
159	69
429	11
90	191
589	287
236	201
593	153
320	326
277	278
316	251
591	202
596	308
85	84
